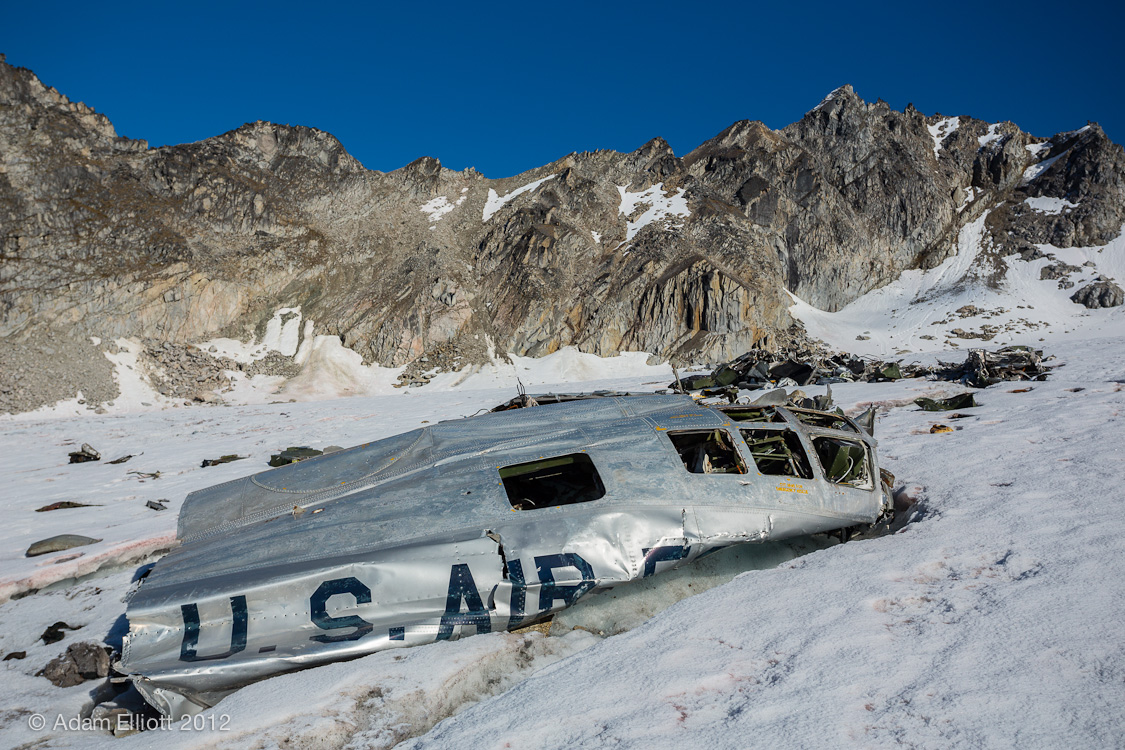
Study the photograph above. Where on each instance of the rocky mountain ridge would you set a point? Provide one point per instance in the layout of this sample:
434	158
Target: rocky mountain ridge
686	257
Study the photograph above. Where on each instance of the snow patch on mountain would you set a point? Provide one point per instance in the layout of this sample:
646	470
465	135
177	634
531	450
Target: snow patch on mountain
1035	170
283	332
1051	206
437	207
990	136
661	207
496	202
941	130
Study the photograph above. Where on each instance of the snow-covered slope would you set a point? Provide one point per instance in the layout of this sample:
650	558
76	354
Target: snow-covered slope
952	306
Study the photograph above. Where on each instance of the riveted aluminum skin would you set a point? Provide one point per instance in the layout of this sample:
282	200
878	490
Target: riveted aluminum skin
413	539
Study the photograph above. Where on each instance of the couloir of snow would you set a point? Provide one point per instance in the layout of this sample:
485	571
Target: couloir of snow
941	130
992	620
495	202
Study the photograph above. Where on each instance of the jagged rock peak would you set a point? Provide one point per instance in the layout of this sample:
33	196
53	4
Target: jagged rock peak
20	86
272	143
654	148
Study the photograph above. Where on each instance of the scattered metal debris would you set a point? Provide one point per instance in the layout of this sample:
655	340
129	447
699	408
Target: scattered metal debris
221	460
760	369
293	454
960	401
62	505
84	454
983	368
123	459
156	504
940	428
58	544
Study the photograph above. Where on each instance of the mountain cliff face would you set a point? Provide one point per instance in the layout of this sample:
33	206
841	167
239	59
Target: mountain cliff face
686	257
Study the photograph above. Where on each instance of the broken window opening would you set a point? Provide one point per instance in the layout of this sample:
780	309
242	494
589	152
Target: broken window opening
778	453
827	420
752	414
844	461
707	451
551	482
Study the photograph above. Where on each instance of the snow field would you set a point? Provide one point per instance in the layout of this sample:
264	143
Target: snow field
991	620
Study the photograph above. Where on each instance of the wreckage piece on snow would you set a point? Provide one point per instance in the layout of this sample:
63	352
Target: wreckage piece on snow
475	525
228	458
983	368
293	454
759	369
84	454
59	543
953	403
525	400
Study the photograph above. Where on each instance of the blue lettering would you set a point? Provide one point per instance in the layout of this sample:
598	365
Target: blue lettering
463	587
318	603
190	613
569	593
519	594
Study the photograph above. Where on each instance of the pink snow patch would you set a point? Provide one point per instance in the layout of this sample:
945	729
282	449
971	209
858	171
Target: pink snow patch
75	566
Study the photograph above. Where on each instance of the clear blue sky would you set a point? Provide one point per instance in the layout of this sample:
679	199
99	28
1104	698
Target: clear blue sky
506	87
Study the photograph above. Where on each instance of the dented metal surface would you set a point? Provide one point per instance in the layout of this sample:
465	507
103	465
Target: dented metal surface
455	529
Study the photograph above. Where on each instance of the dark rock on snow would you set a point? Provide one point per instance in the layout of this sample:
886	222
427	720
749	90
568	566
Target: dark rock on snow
54	633
81	662
1101	293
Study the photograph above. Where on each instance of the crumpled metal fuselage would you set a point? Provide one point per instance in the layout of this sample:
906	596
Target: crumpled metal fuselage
475	525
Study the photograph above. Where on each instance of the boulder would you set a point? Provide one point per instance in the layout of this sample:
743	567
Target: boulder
1100	293
81	662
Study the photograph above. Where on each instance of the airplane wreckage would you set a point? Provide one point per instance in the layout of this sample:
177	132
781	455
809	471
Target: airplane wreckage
475	525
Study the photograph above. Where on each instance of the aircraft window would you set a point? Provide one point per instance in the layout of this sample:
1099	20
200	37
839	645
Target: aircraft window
778	452
551	482
707	451
844	461
752	414
823	419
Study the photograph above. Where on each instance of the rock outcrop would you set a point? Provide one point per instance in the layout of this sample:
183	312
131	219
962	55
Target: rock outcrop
686	257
